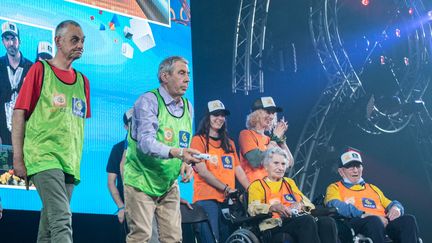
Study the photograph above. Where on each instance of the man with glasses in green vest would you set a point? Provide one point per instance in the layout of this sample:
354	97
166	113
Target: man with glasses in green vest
48	131
158	152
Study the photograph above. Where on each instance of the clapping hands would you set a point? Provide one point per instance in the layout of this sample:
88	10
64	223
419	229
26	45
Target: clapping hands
280	128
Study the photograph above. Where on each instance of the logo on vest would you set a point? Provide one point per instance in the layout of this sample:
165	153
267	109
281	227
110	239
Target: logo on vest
289	198
368	203
274	201
214	160
184	138
168	134
59	100
78	107
227	162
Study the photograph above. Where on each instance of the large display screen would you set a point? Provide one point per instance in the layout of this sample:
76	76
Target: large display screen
122	51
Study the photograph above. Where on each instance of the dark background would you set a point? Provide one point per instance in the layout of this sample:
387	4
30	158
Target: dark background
391	160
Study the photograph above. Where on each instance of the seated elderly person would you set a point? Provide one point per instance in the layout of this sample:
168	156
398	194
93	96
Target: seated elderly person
368	211
280	196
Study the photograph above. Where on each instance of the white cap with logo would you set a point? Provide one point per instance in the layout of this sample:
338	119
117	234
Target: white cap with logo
216	106
9	28
349	157
45	47
266	103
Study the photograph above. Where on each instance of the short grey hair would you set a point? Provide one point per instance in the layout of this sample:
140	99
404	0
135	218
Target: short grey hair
167	65
268	156
60	29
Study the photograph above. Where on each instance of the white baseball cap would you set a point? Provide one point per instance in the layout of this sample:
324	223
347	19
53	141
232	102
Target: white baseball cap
266	103
127	116
216	106
45	50
350	157
9	28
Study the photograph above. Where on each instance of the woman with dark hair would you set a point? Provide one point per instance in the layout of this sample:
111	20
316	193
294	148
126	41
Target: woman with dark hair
216	177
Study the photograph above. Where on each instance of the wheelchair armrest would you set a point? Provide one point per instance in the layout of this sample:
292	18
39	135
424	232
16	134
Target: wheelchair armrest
322	211
251	220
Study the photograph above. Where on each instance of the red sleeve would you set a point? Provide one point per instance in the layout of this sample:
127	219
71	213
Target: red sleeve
198	144
30	91
87	93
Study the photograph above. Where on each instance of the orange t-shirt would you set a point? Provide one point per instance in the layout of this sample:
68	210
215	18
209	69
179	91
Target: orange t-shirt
222	165
367	200
250	140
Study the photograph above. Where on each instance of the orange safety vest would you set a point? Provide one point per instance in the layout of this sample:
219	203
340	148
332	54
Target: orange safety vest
285	195
366	200
222	166
261	142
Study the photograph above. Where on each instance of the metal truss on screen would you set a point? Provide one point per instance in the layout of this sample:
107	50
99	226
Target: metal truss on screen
344	91
247	71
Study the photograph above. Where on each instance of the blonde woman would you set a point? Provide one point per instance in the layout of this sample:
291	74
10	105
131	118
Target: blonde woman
254	141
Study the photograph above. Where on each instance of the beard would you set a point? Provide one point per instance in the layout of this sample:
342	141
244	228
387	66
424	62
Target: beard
12	51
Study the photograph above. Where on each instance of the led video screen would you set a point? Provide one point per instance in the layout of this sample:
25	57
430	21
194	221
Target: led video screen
121	57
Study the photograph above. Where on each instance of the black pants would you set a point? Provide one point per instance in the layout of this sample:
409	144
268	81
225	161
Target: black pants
123	230
306	229
403	229
327	229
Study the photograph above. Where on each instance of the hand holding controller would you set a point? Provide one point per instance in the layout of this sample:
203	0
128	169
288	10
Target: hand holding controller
202	156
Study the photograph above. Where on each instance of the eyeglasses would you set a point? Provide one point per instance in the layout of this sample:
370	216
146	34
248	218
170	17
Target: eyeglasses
353	166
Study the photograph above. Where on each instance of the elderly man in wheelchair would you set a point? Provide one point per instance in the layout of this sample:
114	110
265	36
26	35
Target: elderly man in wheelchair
288	209
367	210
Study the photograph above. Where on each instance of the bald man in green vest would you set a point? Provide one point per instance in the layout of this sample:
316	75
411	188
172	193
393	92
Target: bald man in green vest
48	131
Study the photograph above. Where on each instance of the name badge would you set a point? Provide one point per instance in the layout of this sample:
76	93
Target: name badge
227	162
184	138
368	203
289	198
78	107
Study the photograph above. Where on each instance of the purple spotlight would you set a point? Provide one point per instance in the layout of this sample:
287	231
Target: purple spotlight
429	15
382	60
406	61
410	11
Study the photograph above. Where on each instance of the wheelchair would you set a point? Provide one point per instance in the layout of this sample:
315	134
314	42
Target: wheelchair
235	211
248	230
345	233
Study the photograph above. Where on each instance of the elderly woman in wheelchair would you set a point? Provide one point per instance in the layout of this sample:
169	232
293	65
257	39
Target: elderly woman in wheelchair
290	209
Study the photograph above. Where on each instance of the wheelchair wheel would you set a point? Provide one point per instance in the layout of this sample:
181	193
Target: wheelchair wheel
242	236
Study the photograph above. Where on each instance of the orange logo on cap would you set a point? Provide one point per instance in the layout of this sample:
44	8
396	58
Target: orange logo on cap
267	101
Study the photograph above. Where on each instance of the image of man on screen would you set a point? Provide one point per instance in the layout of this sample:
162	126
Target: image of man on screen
48	131
13	68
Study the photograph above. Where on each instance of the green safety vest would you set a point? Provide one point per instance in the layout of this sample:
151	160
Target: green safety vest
54	133
151	175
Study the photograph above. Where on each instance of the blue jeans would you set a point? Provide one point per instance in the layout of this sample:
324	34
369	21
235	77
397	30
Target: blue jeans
219	225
